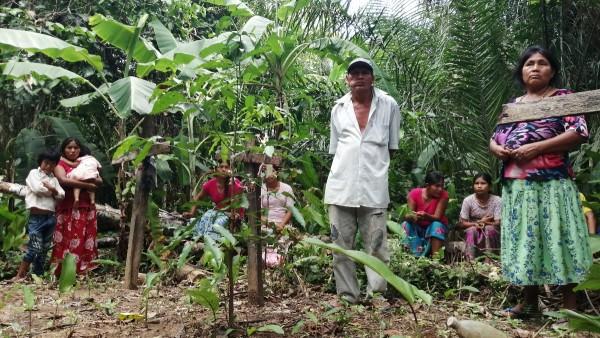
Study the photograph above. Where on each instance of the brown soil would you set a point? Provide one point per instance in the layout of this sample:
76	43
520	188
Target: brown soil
93	310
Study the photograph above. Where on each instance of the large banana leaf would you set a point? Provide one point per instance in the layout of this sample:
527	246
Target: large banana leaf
131	93
407	290
28	144
256	26
84	99
236	7
19	69
164	38
186	53
53	47
121	36
287	9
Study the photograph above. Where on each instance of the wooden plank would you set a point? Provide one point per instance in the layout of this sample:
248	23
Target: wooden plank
257	159
255	263
564	105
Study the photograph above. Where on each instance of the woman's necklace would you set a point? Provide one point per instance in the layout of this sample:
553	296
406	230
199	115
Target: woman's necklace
530	98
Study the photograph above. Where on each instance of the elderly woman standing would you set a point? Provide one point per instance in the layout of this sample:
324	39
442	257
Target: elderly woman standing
76	223
544	237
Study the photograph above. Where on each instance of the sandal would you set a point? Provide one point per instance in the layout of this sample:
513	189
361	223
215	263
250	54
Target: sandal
525	312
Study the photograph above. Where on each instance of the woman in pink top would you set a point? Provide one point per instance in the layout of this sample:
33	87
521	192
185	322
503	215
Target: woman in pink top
426	225
221	192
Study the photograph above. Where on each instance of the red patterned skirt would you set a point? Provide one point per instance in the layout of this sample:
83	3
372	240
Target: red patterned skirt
76	233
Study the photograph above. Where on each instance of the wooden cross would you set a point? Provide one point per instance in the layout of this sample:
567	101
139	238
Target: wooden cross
556	106
144	175
255	268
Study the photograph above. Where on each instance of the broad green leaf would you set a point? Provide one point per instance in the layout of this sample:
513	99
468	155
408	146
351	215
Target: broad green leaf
592	281
288	8
183	257
121	36
20	69
28	298
407	290
395	227
164	38
205	295
271	328
167	100
28	144
256	26
582	322
151	279
298	216
215	251
226	237
132	93
154	258
68	273
41	43
84	99
236	7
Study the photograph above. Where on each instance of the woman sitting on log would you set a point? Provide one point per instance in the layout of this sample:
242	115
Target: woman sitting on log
544	237
480	217
277	199
222	190
426	225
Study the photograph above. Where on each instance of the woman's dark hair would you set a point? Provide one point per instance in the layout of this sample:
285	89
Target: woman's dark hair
433	177
48	155
518	72
83	149
486	177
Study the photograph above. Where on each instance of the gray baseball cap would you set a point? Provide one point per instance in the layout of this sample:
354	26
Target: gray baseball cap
360	62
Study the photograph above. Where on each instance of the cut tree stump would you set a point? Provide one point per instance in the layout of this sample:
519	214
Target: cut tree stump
556	106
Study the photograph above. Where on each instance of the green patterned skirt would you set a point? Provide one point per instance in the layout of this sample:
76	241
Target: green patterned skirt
544	234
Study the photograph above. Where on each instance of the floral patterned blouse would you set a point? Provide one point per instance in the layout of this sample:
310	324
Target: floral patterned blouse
545	166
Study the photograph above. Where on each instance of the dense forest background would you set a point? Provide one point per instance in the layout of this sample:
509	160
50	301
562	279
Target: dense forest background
228	76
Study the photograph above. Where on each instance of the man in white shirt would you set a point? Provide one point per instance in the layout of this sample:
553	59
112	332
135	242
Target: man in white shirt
43	190
365	125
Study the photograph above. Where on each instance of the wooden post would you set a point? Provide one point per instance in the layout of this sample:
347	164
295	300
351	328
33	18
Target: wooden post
144	181
255	267
255	264
555	106
137	226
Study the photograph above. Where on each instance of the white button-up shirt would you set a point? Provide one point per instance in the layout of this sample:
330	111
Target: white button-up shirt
359	172
38	196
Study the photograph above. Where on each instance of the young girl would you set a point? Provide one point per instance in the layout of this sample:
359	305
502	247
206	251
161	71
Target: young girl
43	190
221	192
85	168
480	217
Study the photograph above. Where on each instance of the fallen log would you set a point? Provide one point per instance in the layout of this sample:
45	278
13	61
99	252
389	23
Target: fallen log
109	218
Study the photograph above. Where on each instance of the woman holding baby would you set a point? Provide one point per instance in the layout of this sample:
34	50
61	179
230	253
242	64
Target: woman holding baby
76	226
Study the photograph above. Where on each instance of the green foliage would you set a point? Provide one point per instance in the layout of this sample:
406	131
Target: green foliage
407	290
68	274
28	298
206	295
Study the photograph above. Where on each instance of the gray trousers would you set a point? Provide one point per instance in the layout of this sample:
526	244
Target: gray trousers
371	222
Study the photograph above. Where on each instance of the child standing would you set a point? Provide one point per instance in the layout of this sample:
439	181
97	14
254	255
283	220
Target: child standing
43	190
84	169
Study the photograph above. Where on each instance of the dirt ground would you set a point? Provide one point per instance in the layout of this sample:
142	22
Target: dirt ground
103	308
